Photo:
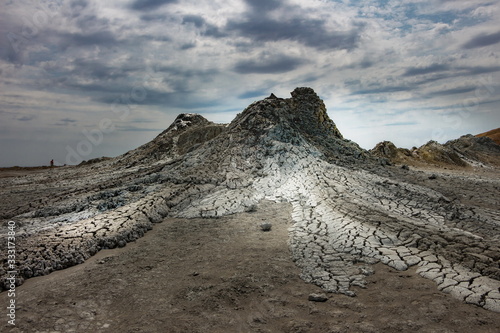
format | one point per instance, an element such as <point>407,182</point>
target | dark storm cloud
<point>81,12</point>
<point>99,77</point>
<point>259,26</point>
<point>94,69</point>
<point>458,71</point>
<point>413,71</point>
<point>85,22</point>
<point>452,91</point>
<point>65,122</point>
<point>26,118</point>
<point>187,73</point>
<point>271,65</point>
<point>214,31</point>
<point>253,93</point>
<point>144,38</point>
<point>107,85</point>
<point>436,77</point>
<point>183,100</point>
<point>82,39</point>
<point>149,17</point>
<point>482,40</point>
<point>366,63</point>
<point>416,86</point>
<point>206,29</point>
<point>132,128</point>
<point>100,89</point>
<point>107,81</point>
<point>15,38</point>
<point>474,70</point>
<point>311,32</point>
<point>363,64</point>
<point>143,5</point>
<point>188,46</point>
<point>382,90</point>
<point>79,4</point>
<point>261,6</point>
<point>438,72</point>
<point>402,123</point>
<point>352,83</point>
<point>197,20</point>
<point>7,51</point>
<point>74,25</point>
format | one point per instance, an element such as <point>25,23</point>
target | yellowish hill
<point>493,134</point>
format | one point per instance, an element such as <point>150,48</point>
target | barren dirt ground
<point>226,275</point>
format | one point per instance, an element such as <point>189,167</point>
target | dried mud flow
<point>343,219</point>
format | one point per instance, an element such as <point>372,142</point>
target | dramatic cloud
<point>412,71</point>
<point>400,71</point>
<point>25,118</point>
<point>254,93</point>
<point>150,4</point>
<point>382,90</point>
<point>198,21</point>
<point>403,123</point>
<point>483,40</point>
<point>205,28</point>
<point>268,65</point>
<point>453,91</point>
<point>66,122</point>
<point>475,70</point>
<point>104,38</point>
<point>262,6</point>
<point>312,33</point>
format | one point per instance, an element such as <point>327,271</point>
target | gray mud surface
<point>226,275</point>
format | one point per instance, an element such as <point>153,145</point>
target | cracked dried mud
<point>226,275</point>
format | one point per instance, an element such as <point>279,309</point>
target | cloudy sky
<point>86,78</point>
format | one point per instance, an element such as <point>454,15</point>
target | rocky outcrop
<point>389,151</point>
<point>433,152</point>
<point>348,210</point>
<point>474,149</point>
<point>301,119</point>
<point>187,131</point>
<point>94,160</point>
<point>465,151</point>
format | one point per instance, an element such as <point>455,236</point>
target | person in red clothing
<point>51,163</point>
